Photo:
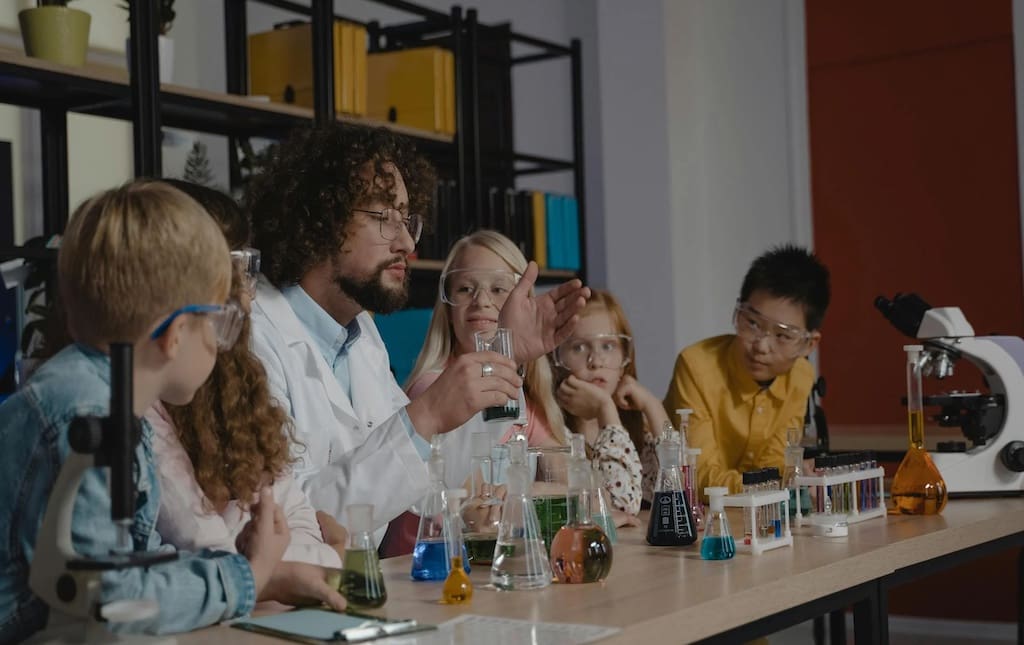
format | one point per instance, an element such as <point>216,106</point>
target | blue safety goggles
<point>226,320</point>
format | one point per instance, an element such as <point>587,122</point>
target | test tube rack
<point>764,500</point>
<point>867,485</point>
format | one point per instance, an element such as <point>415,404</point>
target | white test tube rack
<point>854,513</point>
<point>750,502</point>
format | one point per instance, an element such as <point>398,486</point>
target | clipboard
<point>316,626</point>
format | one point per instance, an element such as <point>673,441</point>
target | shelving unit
<point>138,97</point>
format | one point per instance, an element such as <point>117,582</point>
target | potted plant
<point>165,44</point>
<point>54,32</point>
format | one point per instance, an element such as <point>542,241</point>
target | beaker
<point>481,513</point>
<point>918,488</point>
<point>717,543</point>
<point>362,582</point>
<point>548,489</point>
<point>581,551</point>
<point>520,558</point>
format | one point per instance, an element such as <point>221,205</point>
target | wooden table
<point>671,595</point>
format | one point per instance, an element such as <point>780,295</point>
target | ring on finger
<point>486,370</point>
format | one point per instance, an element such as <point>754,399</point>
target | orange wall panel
<point>914,188</point>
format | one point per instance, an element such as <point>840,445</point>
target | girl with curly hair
<point>216,453</point>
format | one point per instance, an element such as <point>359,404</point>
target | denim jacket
<point>196,590</point>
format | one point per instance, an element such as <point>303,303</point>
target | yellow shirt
<point>737,424</point>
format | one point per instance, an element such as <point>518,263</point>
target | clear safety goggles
<point>461,287</point>
<point>602,350</point>
<point>247,262</point>
<point>225,319</point>
<point>751,326</point>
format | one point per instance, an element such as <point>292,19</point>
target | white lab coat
<point>353,451</point>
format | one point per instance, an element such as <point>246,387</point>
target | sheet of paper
<point>471,629</point>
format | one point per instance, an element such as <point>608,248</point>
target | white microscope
<point>66,581</point>
<point>993,424</point>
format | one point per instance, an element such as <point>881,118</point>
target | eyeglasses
<point>247,260</point>
<point>461,287</point>
<point>392,221</point>
<point>752,326</point>
<point>226,320</point>
<point>601,350</point>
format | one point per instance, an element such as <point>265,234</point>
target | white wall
<point>735,79</point>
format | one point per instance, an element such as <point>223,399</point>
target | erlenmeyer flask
<point>918,488</point>
<point>429,557</point>
<point>481,513</point>
<point>717,543</point>
<point>600,506</point>
<point>581,551</point>
<point>457,590</point>
<point>520,559</point>
<point>671,522</point>
<point>362,582</point>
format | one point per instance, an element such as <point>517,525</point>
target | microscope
<point>993,463</point>
<point>68,583</point>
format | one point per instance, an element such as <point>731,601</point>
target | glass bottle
<point>457,590</point>
<point>581,551</point>
<point>671,522</point>
<point>481,512</point>
<point>362,582</point>
<point>429,556</point>
<point>917,488</point>
<point>717,543</point>
<point>520,558</point>
<point>600,506</point>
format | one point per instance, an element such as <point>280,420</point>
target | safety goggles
<point>461,287</point>
<point>247,262</point>
<point>225,319</point>
<point>751,326</point>
<point>601,350</point>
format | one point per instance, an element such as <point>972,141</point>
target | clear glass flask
<point>717,543</point>
<point>520,558</point>
<point>481,513</point>
<point>457,590</point>
<point>601,506</point>
<point>430,556</point>
<point>581,551</point>
<point>671,522</point>
<point>918,488</point>
<point>361,581</point>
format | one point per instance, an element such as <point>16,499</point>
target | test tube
<point>748,483</point>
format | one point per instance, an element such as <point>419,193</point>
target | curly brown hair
<point>303,199</point>
<point>236,436</point>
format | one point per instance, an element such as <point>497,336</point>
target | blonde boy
<point>142,264</point>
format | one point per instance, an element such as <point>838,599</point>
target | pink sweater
<point>186,522</point>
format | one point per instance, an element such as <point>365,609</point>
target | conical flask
<point>481,513</point>
<point>429,557</point>
<point>600,506</point>
<point>362,582</point>
<point>671,522</point>
<point>717,543</point>
<point>581,551</point>
<point>917,488</point>
<point>520,559</point>
<point>457,590</point>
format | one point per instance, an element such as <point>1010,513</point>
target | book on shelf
<point>413,87</point>
<point>281,65</point>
